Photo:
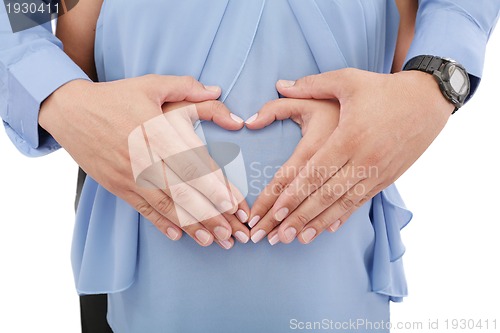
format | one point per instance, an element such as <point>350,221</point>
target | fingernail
<point>335,226</point>
<point>213,88</point>
<point>242,216</point>
<point>308,234</point>
<point>226,206</point>
<point>226,244</point>
<point>281,214</point>
<point>236,118</point>
<point>275,239</point>
<point>222,233</point>
<point>251,119</point>
<point>254,221</point>
<point>290,233</point>
<point>286,83</point>
<point>172,233</point>
<point>241,236</point>
<point>257,237</point>
<point>202,236</point>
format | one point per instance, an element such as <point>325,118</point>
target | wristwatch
<point>451,76</point>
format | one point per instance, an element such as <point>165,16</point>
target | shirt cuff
<point>41,71</point>
<point>449,33</point>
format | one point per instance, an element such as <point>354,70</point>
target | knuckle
<point>378,188</point>
<point>286,173</point>
<point>272,105</point>
<point>189,82</point>
<point>350,143</point>
<point>310,81</point>
<point>365,199</point>
<point>302,218</point>
<point>209,218</point>
<point>348,71</point>
<point>346,203</point>
<point>318,175</point>
<point>144,209</point>
<point>272,224</point>
<point>323,223</point>
<point>180,193</point>
<point>294,196</point>
<point>373,159</point>
<point>165,205</point>
<point>327,195</point>
<point>279,185</point>
<point>213,193</point>
<point>161,224</point>
<point>217,107</point>
<point>190,171</point>
<point>190,225</point>
<point>268,223</point>
<point>151,77</point>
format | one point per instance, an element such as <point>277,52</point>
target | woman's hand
<point>94,123</point>
<point>386,123</point>
<point>317,119</point>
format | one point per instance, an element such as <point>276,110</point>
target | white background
<point>453,242</point>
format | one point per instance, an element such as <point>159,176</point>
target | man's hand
<point>386,123</point>
<point>93,122</point>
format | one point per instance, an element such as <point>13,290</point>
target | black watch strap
<point>424,63</point>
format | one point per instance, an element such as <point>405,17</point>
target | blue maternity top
<point>158,285</point>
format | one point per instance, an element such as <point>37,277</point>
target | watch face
<point>458,81</point>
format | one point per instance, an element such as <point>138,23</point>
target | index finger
<point>335,84</point>
<point>323,165</point>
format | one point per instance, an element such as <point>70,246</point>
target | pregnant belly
<point>261,153</point>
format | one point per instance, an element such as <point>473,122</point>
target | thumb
<point>218,113</point>
<point>165,88</point>
<point>329,85</point>
<point>279,109</point>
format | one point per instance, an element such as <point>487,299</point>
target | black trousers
<point>93,308</point>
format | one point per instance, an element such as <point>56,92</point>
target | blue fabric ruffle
<point>389,215</point>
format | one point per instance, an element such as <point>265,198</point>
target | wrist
<point>62,102</point>
<point>452,78</point>
<point>429,92</point>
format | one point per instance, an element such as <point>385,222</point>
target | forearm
<point>407,14</point>
<point>32,67</point>
<point>76,29</point>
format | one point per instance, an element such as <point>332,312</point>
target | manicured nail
<point>286,83</point>
<point>241,236</point>
<point>257,237</point>
<point>335,226</point>
<point>275,239</point>
<point>172,233</point>
<point>226,206</point>
<point>222,233</point>
<point>212,88</point>
<point>202,236</point>
<point>226,244</point>
<point>308,234</point>
<point>254,221</point>
<point>242,216</point>
<point>251,119</point>
<point>290,233</point>
<point>281,214</point>
<point>236,118</point>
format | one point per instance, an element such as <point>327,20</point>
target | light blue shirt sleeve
<point>32,66</point>
<point>457,29</point>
